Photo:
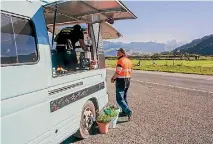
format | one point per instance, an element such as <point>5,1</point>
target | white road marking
<point>191,89</point>
<point>193,76</point>
<point>211,78</point>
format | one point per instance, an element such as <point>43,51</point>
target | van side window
<point>18,41</point>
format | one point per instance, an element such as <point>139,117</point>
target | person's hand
<point>86,49</point>
<point>112,80</point>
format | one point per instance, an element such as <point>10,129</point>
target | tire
<point>87,122</point>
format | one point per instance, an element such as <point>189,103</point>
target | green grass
<point>180,66</point>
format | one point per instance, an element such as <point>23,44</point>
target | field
<point>204,67</point>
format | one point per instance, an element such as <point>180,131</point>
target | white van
<point>39,105</point>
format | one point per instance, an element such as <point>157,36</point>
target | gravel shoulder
<point>161,114</point>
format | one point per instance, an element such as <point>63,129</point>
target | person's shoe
<point>63,70</point>
<point>130,116</point>
<point>122,114</point>
<point>58,69</point>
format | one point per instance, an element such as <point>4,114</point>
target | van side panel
<point>27,125</point>
<point>69,102</point>
<point>25,102</point>
<point>23,79</point>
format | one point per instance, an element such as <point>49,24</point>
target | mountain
<point>139,47</point>
<point>171,45</point>
<point>203,46</point>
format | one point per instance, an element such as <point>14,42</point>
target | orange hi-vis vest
<point>124,68</point>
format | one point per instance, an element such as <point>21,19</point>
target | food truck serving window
<point>62,13</point>
<point>69,56</point>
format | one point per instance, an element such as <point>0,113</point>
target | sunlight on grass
<point>179,66</point>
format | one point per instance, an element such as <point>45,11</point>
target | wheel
<point>87,121</point>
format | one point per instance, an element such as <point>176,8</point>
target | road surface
<point>167,109</point>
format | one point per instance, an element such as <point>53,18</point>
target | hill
<point>203,46</point>
<point>139,47</point>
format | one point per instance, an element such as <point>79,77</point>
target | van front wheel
<point>87,121</point>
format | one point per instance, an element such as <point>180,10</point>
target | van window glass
<point>18,40</point>
<point>7,40</point>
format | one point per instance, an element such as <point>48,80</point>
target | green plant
<point>113,113</point>
<point>112,107</point>
<point>103,118</point>
<point>111,110</point>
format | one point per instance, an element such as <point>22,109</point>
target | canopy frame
<point>78,17</point>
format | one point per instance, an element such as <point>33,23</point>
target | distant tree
<point>197,57</point>
<point>187,56</point>
<point>155,56</point>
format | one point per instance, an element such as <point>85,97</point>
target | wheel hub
<point>88,119</point>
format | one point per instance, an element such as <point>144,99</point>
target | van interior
<point>85,60</point>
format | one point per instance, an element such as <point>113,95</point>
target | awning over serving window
<point>86,11</point>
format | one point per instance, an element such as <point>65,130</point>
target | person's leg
<point>74,60</point>
<point>125,98</point>
<point>120,100</point>
<point>63,56</point>
<point>61,53</point>
<point>125,95</point>
<point>59,57</point>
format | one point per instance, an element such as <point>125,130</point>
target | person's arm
<point>81,41</point>
<point>114,77</point>
<point>83,45</point>
<point>117,72</point>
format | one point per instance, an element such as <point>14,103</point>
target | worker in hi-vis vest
<point>122,78</point>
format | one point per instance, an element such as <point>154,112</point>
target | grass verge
<point>205,68</point>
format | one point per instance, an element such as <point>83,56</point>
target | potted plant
<point>103,122</point>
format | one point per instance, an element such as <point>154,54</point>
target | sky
<point>164,21</point>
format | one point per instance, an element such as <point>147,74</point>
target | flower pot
<point>103,127</point>
<point>113,122</point>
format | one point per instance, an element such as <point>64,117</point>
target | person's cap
<point>121,50</point>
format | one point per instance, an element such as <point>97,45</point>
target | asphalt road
<point>167,109</point>
<point>187,81</point>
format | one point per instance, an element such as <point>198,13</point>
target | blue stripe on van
<point>40,25</point>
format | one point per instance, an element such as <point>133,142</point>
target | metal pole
<point>54,24</point>
<point>99,30</point>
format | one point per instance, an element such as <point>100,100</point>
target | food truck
<point>39,104</point>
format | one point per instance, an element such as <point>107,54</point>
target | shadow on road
<point>73,139</point>
<point>95,131</point>
<point>70,140</point>
<point>120,122</point>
